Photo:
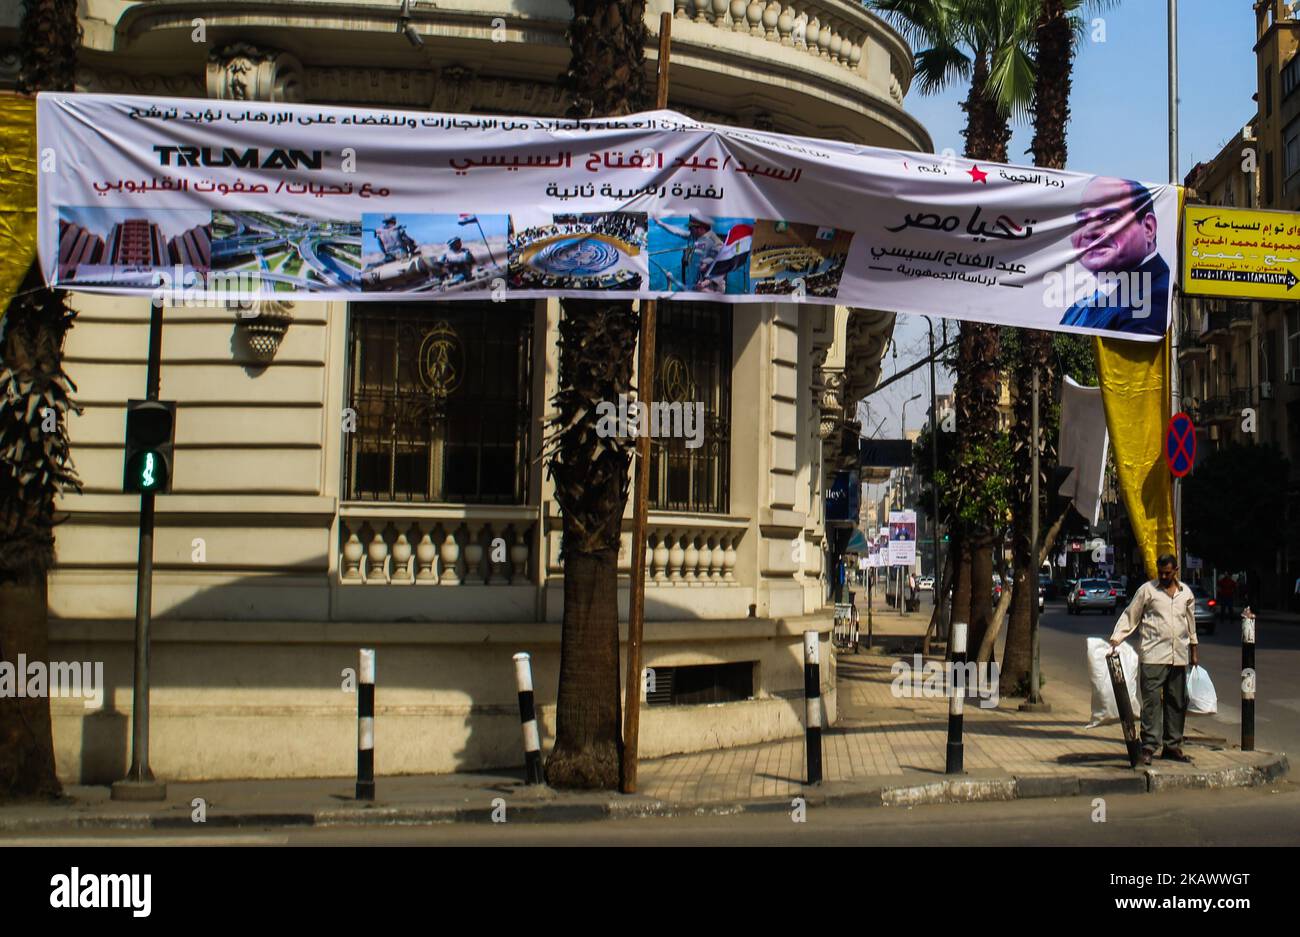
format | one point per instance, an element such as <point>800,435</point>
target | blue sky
<point>1118,127</point>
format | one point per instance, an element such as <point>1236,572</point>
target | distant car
<point>1092,595</point>
<point>927,583</point>
<point>1041,590</point>
<point>1205,611</point>
<point>997,587</point>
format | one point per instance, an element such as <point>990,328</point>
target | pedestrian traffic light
<point>150,431</point>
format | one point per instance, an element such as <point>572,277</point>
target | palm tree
<point>986,42</point>
<point>1059,28</point>
<point>35,465</point>
<point>606,77</point>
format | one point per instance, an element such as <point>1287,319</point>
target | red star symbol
<point>976,175</point>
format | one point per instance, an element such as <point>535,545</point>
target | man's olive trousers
<point>1165,714</point>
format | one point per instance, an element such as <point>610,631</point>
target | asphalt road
<point>1277,664</point>
<point>1268,815</point>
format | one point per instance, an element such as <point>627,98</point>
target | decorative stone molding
<point>453,92</point>
<point>866,336</point>
<point>263,326</point>
<point>245,72</point>
<point>829,386</point>
<point>183,86</point>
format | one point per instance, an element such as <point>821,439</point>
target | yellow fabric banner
<point>17,192</point>
<point>1134,382</point>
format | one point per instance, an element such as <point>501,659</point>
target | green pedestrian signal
<point>150,432</point>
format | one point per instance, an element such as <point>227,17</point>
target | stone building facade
<point>429,531</point>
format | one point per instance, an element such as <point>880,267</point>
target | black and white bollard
<point>956,699</point>
<point>366,725</point>
<point>1247,680</point>
<point>528,719</point>
<point>812,692</point>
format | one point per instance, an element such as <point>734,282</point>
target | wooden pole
<point>645,395</point>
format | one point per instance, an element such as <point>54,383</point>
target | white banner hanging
<point>202,199</point>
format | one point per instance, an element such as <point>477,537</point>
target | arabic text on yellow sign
<point>1241,253</point>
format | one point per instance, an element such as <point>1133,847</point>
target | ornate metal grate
<point>693,364</point>
<point>442,399</point>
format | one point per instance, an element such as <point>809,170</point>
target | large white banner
<point>241,199</point>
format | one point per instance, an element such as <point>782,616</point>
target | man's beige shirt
<point>1168,624</point>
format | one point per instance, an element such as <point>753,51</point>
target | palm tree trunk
<point>27,766</point>
<point>34,466</point>
<point>597,342</point>
<point>1053,65</point>
<point>987,133</point>
<point>605,78</point>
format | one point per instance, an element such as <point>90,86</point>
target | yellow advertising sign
<point>1241,253</point>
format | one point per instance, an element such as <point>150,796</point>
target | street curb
<point>826,794</point>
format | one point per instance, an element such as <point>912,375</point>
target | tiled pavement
<point>881,738</point>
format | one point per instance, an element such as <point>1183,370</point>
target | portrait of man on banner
<point>1115,240</point>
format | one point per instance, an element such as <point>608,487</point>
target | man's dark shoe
<point>1146,756</point>
<point>1175,754</point>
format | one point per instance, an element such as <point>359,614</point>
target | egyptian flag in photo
<point>734,254</point>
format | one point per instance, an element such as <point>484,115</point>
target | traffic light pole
<point>139,783</point>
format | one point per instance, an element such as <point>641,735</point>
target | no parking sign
<point>1180,445</point>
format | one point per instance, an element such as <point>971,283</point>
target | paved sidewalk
<point>883,750</point>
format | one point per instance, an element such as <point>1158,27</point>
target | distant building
<point>77,246</point>
<point>192,248</point>
<point>137,242</point>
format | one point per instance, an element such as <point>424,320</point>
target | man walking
<point>1165,610</point>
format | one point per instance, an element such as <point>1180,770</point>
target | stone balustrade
<point>430,550</point>
<point>695,554</point>
<point>825,28</point>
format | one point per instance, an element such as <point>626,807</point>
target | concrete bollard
<point>1247,680</point>
<point>528,719</point>
<point>812,692</point>
<point>956,700</point>
<point>366,725</point>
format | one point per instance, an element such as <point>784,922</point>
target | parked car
<point>1092,595</point>
<point>1205,611</point>
<point>927,583</point>
<point>1041,590</point>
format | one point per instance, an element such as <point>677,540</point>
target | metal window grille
<point>442,397</point>
<point>693,365</point>
<point>703,683</point>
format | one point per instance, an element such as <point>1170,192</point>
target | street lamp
<point>902,487</point>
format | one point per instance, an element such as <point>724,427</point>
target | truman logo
<point>250,158</point>
<point>75,890</point>
<point>57,679</point>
